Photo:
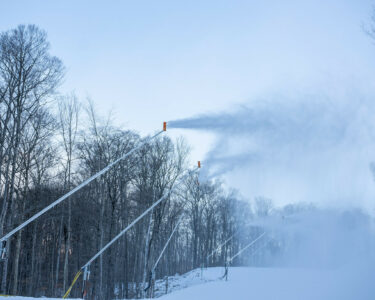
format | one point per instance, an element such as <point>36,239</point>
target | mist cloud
<point>307,148</point>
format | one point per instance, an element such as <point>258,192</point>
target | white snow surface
<point>30,298</point>
<point>347,283</point>
<point>188,279</point>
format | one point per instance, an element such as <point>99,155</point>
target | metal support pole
<point>152,284</point>
<point>166,244</point>
<point>218,248</point>
<point>86,278</point>
<point>166,284</point>
<point>226,270</point>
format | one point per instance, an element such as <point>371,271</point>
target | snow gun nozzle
<point>164,126</point>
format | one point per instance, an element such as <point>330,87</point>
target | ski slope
<point>349,283</point>
<point>28,298</point>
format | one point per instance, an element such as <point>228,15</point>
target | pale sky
<point>154,61</point>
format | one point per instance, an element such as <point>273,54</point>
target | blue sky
<point>171,59</point>
<point>150,61</point>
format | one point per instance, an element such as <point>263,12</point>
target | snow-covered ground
<point>28,298</point>
<point>188,279</point>
<point>349,283</point>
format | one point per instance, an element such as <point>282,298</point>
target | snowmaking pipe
<point>125,230</point>
<point>247,246</point>
<point>225,242</point>
<point>77,188</point>
<point>166,244</point>
<point>261,247</point>
<point>86,266</point>
<point>221,245</point>
<point>135,221</point>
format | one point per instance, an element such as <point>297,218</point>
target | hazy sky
<point>151,61</point>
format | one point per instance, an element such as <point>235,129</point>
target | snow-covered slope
<point>281,284</point>
<point>349,283</point>
<point>194,277</point>
<point>28,298</point>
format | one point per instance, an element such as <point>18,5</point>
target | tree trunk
<point>146,251</point>
<point>16,263</point>
<point>5,271</point>
<point>30,287</point>
<point>58,253</point>
<point>67,246</point>
<point>101,244</point>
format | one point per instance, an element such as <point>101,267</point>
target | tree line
<point>49,143</point>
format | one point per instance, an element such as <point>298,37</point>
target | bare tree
<point>69,109</point>
<point>35,169</point>
<point>28,76</point>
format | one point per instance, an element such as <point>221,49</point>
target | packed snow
<point>29,298</point>
<point>348,283</point>
<point>192,278</point>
